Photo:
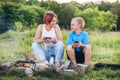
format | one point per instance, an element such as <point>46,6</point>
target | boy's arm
<point>83,45</point>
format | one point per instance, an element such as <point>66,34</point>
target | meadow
<point>105,48</point>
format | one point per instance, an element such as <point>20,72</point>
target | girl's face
<point>53,22</point>
<point>74,25</point>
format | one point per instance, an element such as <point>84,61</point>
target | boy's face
<point>74,25</point>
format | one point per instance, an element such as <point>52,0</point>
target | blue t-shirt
<point>81,37</point>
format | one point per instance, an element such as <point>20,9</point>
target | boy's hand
<point>74,45</point>
<point>79,44</point>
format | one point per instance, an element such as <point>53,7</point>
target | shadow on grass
<point>53,75</point>
<point>50,74</point>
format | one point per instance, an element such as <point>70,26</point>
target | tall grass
<point>9,46</point>
<point>105,48</point>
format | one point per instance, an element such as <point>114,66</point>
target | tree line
<point>26,14</point>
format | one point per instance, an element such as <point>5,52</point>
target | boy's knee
<point>69,48</point>
<point>87,47</point>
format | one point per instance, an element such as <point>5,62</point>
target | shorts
<point>79,56</point>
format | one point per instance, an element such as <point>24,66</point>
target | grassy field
<point>105,48</point>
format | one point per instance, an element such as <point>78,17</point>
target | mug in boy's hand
<point>75,44</point>
<point>76,41</point>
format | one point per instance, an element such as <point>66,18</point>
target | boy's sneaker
<point>60,68</point>
<point>80,69</point>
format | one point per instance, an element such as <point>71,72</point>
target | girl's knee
<point>35,45</point>
<point>60,44</point>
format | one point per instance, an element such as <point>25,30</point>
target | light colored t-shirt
<point>50,33</point>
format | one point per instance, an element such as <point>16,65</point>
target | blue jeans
<point>44,53</point>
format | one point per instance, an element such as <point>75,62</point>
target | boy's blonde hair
<point>80,21</point>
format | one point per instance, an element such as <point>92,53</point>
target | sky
<point>82,1</point>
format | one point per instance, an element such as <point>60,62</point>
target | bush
<point>14,16</point>
<point>8,16</point>
<point>97,20</point>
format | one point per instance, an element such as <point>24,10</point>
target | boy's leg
<point>71,53</point>
<point>87,53</point>
<point>80,57</point>
<point>59,51</point>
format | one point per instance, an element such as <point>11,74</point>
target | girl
<point>51,37</point>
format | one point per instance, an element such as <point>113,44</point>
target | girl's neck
<point>48,27</point>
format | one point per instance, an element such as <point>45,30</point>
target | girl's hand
<point>54,41</point>
<point>47,40</point>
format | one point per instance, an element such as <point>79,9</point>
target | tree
<point>104,6</point>
<point>32,2</point>
<point>115,9</point>
<point>54,6</point>
<point>31,16</point>
<point>108,21</point>
<point>78,5</point>
<point>97,20</point>
<point>14,1</point>
<point>27,16</point>
<point>90,5</point>
<point>8,16</point>
<point>44,4</point>
<point>66,14</point>
<point>3,27</point>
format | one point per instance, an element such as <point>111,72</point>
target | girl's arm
<point>38,34</point>
<point>58,33</point>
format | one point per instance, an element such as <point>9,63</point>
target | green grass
<point>105,48</point>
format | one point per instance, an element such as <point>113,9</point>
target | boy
<point>78,45</point>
